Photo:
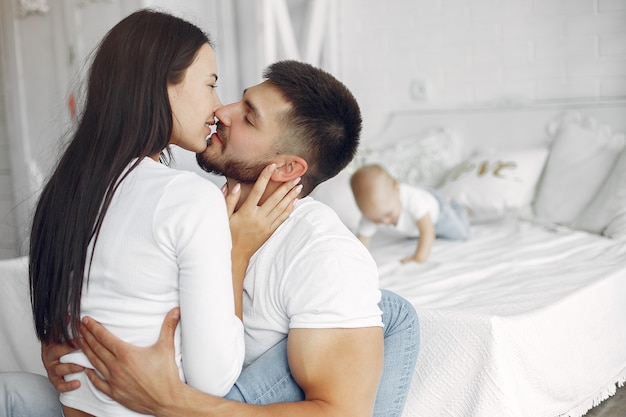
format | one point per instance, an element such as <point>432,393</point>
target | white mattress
<point>521,320</point>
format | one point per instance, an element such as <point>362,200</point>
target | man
<point>312,280</point>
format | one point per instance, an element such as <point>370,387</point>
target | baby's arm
<point>365,240</point>
<point>425,242</point>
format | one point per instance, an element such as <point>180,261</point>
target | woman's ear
<point>289,168</point>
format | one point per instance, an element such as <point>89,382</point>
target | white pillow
<point>494,184</point>
<point>606,213</point>
<point>617,228</point>
<point>581,156</point>
<point>337,194</point>
<point>421,160</point>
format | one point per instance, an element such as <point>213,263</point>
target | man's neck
<point>246,188</point>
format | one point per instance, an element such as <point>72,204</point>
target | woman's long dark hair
<point>126,115</point>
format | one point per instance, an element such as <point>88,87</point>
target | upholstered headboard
<point>421,145</point>
<point>508,127</point>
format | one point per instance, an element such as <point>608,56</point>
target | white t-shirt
<point>165,241</point>
<point>312,273</point>
<point>416,203</point>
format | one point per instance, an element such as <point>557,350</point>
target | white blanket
<point>520,321</point>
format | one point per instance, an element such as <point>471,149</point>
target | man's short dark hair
<point>324,123</point>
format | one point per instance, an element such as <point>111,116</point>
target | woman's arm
<point>211,278</point>
<point>253,223</point>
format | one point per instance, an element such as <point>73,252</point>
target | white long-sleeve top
<point>165,242</point>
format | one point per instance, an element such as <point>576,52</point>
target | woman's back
<point>165,240</point>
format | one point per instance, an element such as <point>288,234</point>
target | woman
<point>123,238</point>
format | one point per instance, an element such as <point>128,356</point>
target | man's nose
<point>223,115</point>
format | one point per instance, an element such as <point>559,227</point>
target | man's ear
<point>289,168</point>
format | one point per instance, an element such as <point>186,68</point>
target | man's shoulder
<point>312,226</point>
<point>317,241</point>
<point>318,218</point>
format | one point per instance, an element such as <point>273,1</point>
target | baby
<point>411,211</point>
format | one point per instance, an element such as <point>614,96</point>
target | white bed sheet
<point>519,321</point>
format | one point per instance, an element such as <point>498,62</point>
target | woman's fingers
<point>232,197</point>
<point>259,186</point>
<point>282,202</point>
<point>252,224</point>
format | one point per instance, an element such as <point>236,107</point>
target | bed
<point>521,320</point>
<point>525,319</point>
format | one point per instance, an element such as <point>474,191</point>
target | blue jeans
<point>28,395</point>
<point>453,222</point>
<point>267,380</point>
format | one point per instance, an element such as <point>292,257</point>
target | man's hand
<point>143,379</point>
<point>50,356</point>
<point>339,370</point>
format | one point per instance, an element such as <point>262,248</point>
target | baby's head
<point>377,194</point>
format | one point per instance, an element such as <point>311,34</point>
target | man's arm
<point>338,369</point>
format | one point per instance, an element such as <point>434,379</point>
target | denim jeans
<point>267,380</point>
<point>453,222</point>
<point>28,395</point>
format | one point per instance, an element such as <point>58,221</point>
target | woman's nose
<point>218,102</point>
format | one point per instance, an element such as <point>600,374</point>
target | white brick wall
<point>475,52</point>
<point>456,52</point>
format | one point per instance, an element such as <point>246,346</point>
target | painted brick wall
<point>449,53</point>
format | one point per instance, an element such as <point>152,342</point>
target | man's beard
<point>240,171</point>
